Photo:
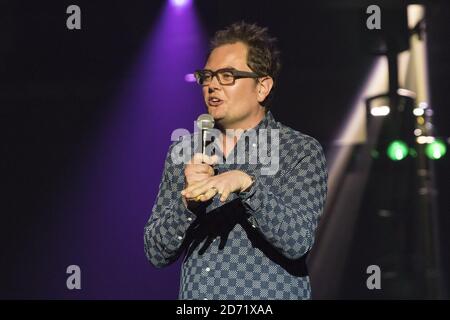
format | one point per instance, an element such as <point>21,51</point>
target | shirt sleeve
<point>287,213</point>
<point>166,228</point>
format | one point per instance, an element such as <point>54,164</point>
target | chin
<point>219,118</point>
<point>217,114</point>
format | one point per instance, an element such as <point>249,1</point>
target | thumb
<point>211,160</point>
<point>197,159</point>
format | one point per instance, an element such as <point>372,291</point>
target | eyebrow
<point>227,67</point>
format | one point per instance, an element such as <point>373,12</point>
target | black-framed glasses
<point>226,76</point>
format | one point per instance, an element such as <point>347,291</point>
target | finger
<point>204,168</point>
<point>198,198</point>
<point>198,168</point>
<point>213,160</point>
<point>193,169</point>
<point>198,189</point>
<point>196,178</point>
<point>208,194</point>
<point>196,159</point>
<point>196,192</point>
<point>189,191</point>
<point>191,186</point>
<point>224,195</point>
<point>200,158</point>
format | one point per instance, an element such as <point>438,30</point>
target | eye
<point>202,77</point>
<point>227,75</point>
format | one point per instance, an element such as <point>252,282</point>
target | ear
<point>265,84</point>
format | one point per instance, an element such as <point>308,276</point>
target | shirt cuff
<point>185,216</point>
<point>253,198</point>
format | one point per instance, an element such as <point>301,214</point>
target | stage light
<point>425,139</point>
<point>397,150</point>
<point>379,105</point>
<point>189,77</point>
<point>380,111</point>
<point>423,105</point>
<point>418,112</point>
<point>436,149</point>
<point>420,120</point>
<point>180,3</point>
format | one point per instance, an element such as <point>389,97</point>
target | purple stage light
<point>190,77</point>
<point>122,169</point>
<point>180,3</point>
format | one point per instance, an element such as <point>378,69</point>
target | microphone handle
<point>204,135</point>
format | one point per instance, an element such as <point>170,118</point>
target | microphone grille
<point>205,121</point>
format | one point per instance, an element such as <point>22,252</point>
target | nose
<point>210,90</point>
<point>214,84</point>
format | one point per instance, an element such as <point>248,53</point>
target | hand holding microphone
<point>200,167</point>
<point>201,183</point>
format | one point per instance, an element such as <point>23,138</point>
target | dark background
<point>57,88</point>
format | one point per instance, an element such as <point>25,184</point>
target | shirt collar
<point>267,122</point>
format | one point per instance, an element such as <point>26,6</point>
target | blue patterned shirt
<point>254,245</point>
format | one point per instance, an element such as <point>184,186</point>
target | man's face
<point>238,102</point>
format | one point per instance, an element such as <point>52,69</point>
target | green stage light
<point>397,150</point>
<point>435,150</point>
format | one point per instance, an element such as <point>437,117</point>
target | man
<point>245,235</point>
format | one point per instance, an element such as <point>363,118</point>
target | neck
<point>232,133</point>
<point>249,122</point>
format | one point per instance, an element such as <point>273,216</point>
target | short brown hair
<point>263,54</point>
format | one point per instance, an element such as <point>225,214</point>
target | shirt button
<point>189,219</point>
<point>208,269</point>
<point>253,226</point>
<point>180,237</point>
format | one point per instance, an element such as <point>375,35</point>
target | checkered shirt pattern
<point>253,246</point>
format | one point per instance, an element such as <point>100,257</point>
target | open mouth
<point>213,101</point>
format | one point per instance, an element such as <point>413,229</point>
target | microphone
<point>205,122</point>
